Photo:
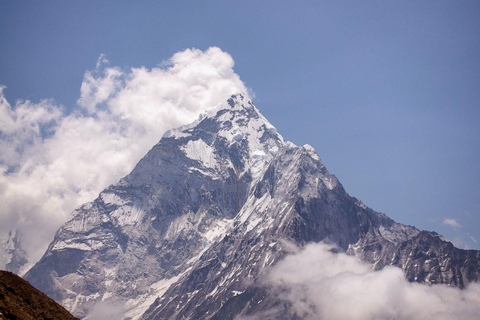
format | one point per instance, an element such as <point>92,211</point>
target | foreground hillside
<point>19,300</point>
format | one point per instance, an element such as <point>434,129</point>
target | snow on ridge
<point>233,107</point>
<point>398,232</point>
<point>237,126</point>
<point>182,131</point>
<point>311,150</point>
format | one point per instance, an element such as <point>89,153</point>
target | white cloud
<point>99,85</point>
<point>324,285</point>
<point>452,223</point>
<point>104,310</point>
<point>51,162</point>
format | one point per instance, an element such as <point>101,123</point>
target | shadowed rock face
<point>189,232</point>
<point>19,300</point>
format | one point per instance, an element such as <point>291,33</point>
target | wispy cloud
<point>51,161</point>
<point>472,238</point>
<point>324,285</point>
<point>452,223</point>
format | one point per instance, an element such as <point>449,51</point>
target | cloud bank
<point>52,161</point>
<point>324,285</point>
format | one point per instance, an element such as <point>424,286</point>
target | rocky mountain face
<point>190,231</point>
<point>19,300</point>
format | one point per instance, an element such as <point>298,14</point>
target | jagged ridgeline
<point>190,231</point>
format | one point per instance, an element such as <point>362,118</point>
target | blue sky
<point>388,93</point>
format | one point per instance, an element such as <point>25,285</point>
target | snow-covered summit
<point>237,105</point>
<point>235,124</point>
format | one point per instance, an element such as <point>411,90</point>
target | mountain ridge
<point>190,229</point>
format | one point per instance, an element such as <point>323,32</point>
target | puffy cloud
<point>21,128</point>
<point>324,285</point>
<point>452,223</point>
<point>51,161</point>
<point>99,85</point>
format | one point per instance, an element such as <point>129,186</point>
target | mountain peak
<point>235,125</point>
<point>188,232</point>
<point>237,109</point>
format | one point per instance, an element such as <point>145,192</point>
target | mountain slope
<point>19,300</point>
<point>296,201</point>
<point>188,233</point>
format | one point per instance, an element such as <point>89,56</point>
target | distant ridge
<point>20,300</point>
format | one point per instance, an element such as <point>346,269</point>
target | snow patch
<point>398,233</point>
<point>311,151</point>
<point>137,307</point>
<point>217,230</point>
<point>210,173</point>
<point>61,245</point>
<point>273,150</point>
<point>252,223</point>
<point>237,135</point>
<point>329,182</point>
<point>233,135</point>
<point>128,215</point>
<point>111,198</point>
<point>176,227</point>
<point>259,158</point>
<point>202,152</point>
